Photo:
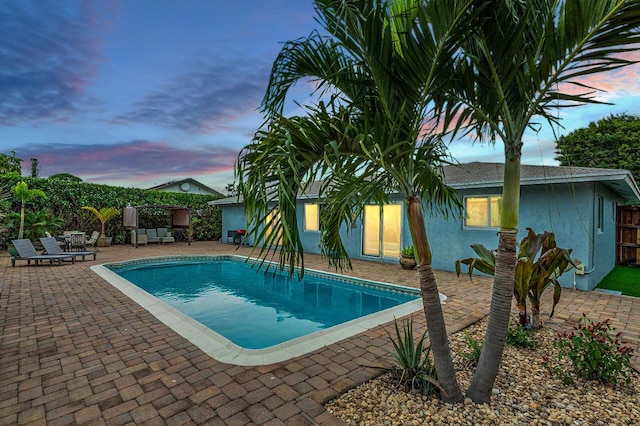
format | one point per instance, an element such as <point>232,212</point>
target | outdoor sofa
<point>151,235</point>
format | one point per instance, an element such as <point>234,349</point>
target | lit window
<point>311,217</point>
<point>482,212</point>
<point>600,213</point>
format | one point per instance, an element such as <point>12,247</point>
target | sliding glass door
<point>381,230</point>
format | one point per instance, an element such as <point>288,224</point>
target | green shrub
<point>65,198</point>
<point>521,337</point>
<point>413,369</point>
<point>594,353</point>
<point>475,349</point>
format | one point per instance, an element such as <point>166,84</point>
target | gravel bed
<point>525,393</point>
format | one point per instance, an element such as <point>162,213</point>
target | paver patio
<point>74,350</point>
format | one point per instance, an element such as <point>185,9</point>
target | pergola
<point>180,217</point>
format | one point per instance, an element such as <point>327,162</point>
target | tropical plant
<point>519,336</point>
<point>539,264</point>
<point>380,66</point>
<point>25,195</point>
<point>5,194</point>
<point>10,163</point>
<point>594,352</point>
<point>553,46</point>
<point>407,251</point>
<point>103,215</point>
<point>475,349</point>
<point>413,368</point>
<point>36,224</point>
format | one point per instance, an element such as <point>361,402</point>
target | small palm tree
<point>103,215</point>
<point>22,191</point>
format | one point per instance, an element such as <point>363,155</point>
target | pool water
<point>256,309</point>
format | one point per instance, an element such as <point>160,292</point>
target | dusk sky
<point>137,92</point>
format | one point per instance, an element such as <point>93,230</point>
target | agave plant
<point>534,272</point>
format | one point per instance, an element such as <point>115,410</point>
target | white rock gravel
<point>525,393</point>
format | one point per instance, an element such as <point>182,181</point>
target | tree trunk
<point>432,306</point>
<point>21,230</point>
<point>503,282</point>
<point>494,340</point>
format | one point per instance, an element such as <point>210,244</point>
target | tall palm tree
<point>525,60</point>
<point>379,66</point>
<point>25,195</point>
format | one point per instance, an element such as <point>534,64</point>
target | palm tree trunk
<point>503,283</point>
<point>21,230</point>
<point>494,340</point>
<point>432,306</point>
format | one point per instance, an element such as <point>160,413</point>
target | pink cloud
<point>133,161</point>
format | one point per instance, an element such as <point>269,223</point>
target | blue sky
<point>137,93</point>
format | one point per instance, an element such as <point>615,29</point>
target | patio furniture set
<point>151,235</point>
<point>52,254</point>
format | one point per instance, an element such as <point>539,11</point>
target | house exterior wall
<point>567,210</point>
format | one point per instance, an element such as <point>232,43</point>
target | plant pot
<point>104,241</point>
<point>408,262</point>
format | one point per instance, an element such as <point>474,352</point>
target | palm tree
<point>22,191</point>
<point>552,46</point>
<point>103,215</point>
<point>380,68</point>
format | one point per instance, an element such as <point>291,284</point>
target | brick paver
<point>73,349</point>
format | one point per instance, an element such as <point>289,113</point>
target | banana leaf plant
<point>540,262</point>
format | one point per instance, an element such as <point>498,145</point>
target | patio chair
<point>152,235</point>
<point>93,240</point>
<point>165,236</point>
<point>78,241</point>
<point>138,237</point>
<point>26,251</point>
<point>51,247</point>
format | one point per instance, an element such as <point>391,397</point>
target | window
<point>600,214</point>
<point>311,217</point>
<point>482,212</point>
<point>273,226</point>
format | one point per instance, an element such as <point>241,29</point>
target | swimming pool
<point>243,316</point>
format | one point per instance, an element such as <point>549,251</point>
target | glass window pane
<point>496,208</point>
<point>391,215</point>
<point>476,211</point>
<point>273,219</point>
<point>311,219</point>
<point>371,231</point>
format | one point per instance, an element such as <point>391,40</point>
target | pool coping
<point>222,349</point>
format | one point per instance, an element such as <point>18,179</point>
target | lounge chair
<point>26,251</point>
<point>51,247</point>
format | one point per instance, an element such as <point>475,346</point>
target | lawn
<point>623,278</point>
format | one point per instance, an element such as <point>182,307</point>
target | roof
<point>179,182</point>
<point>487,175</point>
<point>490,175</point>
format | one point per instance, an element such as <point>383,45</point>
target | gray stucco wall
<point>567,210</point>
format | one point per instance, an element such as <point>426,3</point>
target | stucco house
<point>578,204</point>
<point>188,185</point>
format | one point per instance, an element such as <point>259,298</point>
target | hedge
<point>65,199</point>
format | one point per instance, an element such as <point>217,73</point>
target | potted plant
<point>408,258</point>
<point>103,216</point>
